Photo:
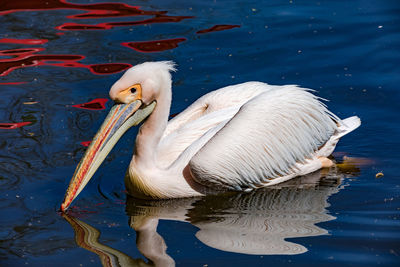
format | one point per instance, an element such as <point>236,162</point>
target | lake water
<point>55,56</point>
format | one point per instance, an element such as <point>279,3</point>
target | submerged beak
<point>120,118</point>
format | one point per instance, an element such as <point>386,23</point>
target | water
<point>58,55</point>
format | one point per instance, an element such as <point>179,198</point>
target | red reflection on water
<point>217,28</point>
<point>108,68</point>
<point>77,211</point>
<point>156,19</point>
<point>120,202</point>
<point>86,143</point>
<point>99,69</point>
<point>76,26</point>
<point>95,104</point>
<point>173,115</point>
<point>98,10</point>
<point>109,25</point>
<point>23,41</point>
<point>154,46</point>
<point>27,57</point>
<point>13,83</point>
<point>10,126</point>
<point>21,51</point>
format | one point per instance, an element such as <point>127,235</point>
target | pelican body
<point>239,137</point>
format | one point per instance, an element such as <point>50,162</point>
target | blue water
<point>348,51</point>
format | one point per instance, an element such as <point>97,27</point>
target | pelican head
<point>135,95</point>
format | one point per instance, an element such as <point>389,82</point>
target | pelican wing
<point>172,145</point>
<point>230,96</point>
<point>206,115</point>
<point>269,137</point>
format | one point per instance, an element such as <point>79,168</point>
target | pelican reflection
<point>261,222</point>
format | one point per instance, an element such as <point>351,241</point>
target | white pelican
<point>239,137</point>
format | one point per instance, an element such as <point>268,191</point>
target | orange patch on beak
<point>126,96</point>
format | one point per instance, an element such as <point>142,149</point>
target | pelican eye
<point>133,90</point>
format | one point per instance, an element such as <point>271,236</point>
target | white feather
<point>265,140</point>
<point>238,137</point>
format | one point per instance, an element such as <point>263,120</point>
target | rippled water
<point>57,62</point>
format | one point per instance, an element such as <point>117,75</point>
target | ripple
<point>23,41</point>
<point>109,25</point>
<point>10,126</point>
<point>24,58</point>
<point>12,170</point>
<point>154,46</point>
<point>217,28</point>
<point>95,104</point>
<point>100,10</point>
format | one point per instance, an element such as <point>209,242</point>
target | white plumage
<point>237,138</point>
<point>274,130</point>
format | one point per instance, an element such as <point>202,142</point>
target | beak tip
<point>120,118</point>
<point>63,207</point>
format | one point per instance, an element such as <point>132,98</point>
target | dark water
<point>57,62</point>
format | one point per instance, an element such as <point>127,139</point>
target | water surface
<point>58,60</point>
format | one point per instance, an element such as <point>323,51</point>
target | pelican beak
<point>120,118</point>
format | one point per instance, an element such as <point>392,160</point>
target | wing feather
<point>205,115</point>
<point>174,144</point>
<point>226,97</point>
<point>266,139</point>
